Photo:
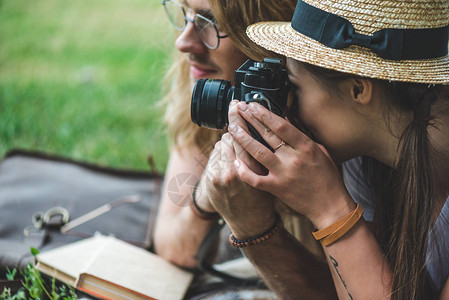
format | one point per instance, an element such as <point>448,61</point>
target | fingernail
<point>242,106</point>
<point>234,102</point>
<point>225,136</point>
<point>232,128</point>
<point>237,163</point>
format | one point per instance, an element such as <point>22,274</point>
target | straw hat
<point>365,37</point>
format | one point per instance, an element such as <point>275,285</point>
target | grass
<point>82,78</point>
<point>34,285</point>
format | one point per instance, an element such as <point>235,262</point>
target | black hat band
<point>395,44</point>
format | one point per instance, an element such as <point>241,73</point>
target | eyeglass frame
<point>187,19</point>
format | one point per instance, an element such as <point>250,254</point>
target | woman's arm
<point>445,292</point>
<point>358,265</point>
<point>302,174</point>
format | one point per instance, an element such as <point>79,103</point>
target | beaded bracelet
<point>200,213</point>
<point>332,233</point>
<point>259,238</point>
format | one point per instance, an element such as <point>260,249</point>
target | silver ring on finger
<point>279,146</point>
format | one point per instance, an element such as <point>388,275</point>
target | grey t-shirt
<point>438,245</point>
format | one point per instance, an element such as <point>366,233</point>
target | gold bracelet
<point>332,233</point>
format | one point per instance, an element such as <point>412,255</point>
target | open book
<point>107,267</point>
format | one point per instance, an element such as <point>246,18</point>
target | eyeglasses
<point>206,29</point>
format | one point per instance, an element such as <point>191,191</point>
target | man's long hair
<point>233,16</point>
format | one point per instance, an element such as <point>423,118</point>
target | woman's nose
<point>189,40</point>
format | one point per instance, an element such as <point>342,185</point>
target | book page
<point>139,270</point>
<point>65,263</point>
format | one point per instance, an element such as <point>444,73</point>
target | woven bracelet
<point>257,239</point>
<point>332,233</point>
<point>200,213</point>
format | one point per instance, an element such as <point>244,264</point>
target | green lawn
<point>81,79</point>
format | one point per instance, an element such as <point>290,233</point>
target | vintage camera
<point>264,82</point>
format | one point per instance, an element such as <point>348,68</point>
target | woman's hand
<point>247,211</point>
<point>300,172</point>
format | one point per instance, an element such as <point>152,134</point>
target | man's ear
<point>361,90</point>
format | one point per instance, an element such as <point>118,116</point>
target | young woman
<point>371,81</point>
<point>212,44</point>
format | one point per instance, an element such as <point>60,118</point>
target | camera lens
<point>210,103</point>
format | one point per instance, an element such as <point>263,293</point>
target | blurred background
<point>81,79</point>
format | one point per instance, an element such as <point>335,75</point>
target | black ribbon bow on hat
<point>395,44</point>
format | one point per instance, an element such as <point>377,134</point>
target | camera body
<point>264,82</point>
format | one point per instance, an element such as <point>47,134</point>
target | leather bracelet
<point>200,213</point>
<point>332,233</point>
<point>258,238</point>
